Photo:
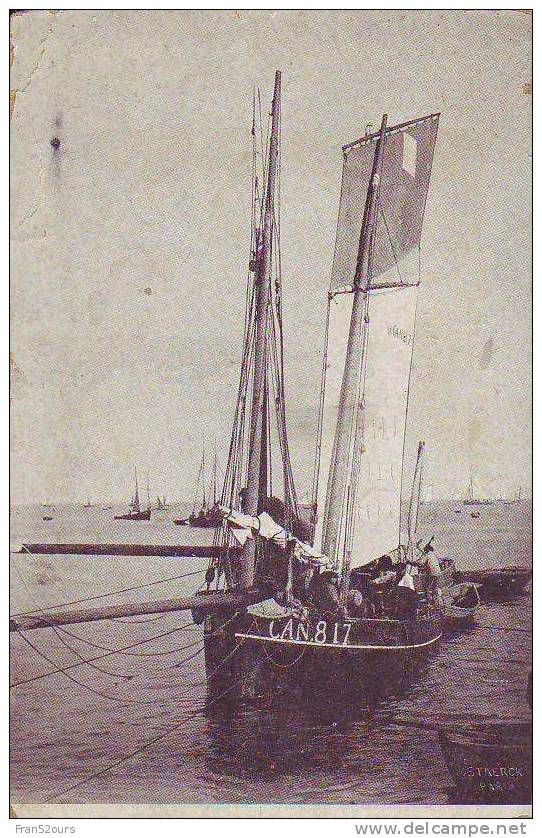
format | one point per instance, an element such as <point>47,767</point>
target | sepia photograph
<point>270,405</point>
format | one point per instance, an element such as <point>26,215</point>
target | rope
<point>409,381</point>
<point>140,749</point>
<point>103,596</point>
<point>130,654</point>
<point>320,426</point>
<point>124,701</point>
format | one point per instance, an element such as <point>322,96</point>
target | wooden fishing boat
<point>498,583</point>
<point>490,763</point>
<point>359,588</point>
<point>135,512</point>
<point>461,603</point>
<point>354,588</point>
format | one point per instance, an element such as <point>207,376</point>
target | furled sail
<point>370,518</point>
<point>403,190</point>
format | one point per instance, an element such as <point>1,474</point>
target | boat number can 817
<point>320,632</point>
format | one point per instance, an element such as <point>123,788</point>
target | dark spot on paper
<point>527,88</point>
<point>487,354</point>
<point>148,291</point>
<point>55,142</point>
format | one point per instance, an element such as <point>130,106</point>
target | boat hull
<point>361,652</point>
<point>144,515</point>
<point>205,521</point>
<point>490,763</point>
<point>500,582</point>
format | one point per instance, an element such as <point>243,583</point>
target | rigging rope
<point>103,596</point>
<point>159,737</point>
<point>409,381</point>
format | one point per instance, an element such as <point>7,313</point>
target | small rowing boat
<point>461,602</point>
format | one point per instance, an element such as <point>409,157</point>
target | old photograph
<point>271,516</point>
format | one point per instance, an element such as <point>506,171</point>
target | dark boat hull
<point>205,521</point>
<point>324,649</point>
<point>490,763</point>
<point>500,582</point>
<point>144,515</point>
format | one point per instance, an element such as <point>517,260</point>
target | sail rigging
<point>402,193</point>
<point>259,444</point>
<point>370,332</point>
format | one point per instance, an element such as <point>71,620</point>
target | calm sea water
<point>66,727</point>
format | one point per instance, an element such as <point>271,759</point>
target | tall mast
<point>348,401</point>
<point>136,495</point>
<point>414,503</point>
<point>203,477</point>
<point>262,287</point>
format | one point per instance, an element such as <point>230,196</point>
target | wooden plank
<point>206,603</point>
<point>207,551</point>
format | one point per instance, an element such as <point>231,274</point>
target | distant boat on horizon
<point>516,497</point>
<point>135,513</point>
<point>209,515</point>
<point>471,500</point>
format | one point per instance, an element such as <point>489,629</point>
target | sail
<point>376,509</point>
<point>402,195</point>
<point>384,191</point>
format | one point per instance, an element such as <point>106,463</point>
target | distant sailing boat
<point>516,497</point>
<point>162,502</point>
<point>208,515</point>
<point>471,500</point>
<point>88,504</point>
<point>135,512</point>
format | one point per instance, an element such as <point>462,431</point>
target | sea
<point>90,723</point>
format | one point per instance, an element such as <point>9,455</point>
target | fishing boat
<point>461,603</point>
<point>471,500</point>
<point>490,763</point>
<point>205,512</point>
<point>135,512</point>
<point>354,588</point>
<point>498,583</point>
<point>355,591</point>
<point>162,503</point>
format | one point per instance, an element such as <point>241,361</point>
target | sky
<point>129,241</point>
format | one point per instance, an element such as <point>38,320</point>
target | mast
<point>204,500</point>
<point>256,465</point>
<point>348,401</point>
<point>215,499</point>
<point>415,498</point>
<point>136,494</point>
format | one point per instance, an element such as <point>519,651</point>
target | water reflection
<point>283,723</point>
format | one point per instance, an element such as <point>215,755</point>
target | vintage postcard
<point>271,413</point>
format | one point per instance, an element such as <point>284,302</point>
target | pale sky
<point>130,240</point>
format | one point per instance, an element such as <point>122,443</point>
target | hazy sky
<point>130,240</point>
